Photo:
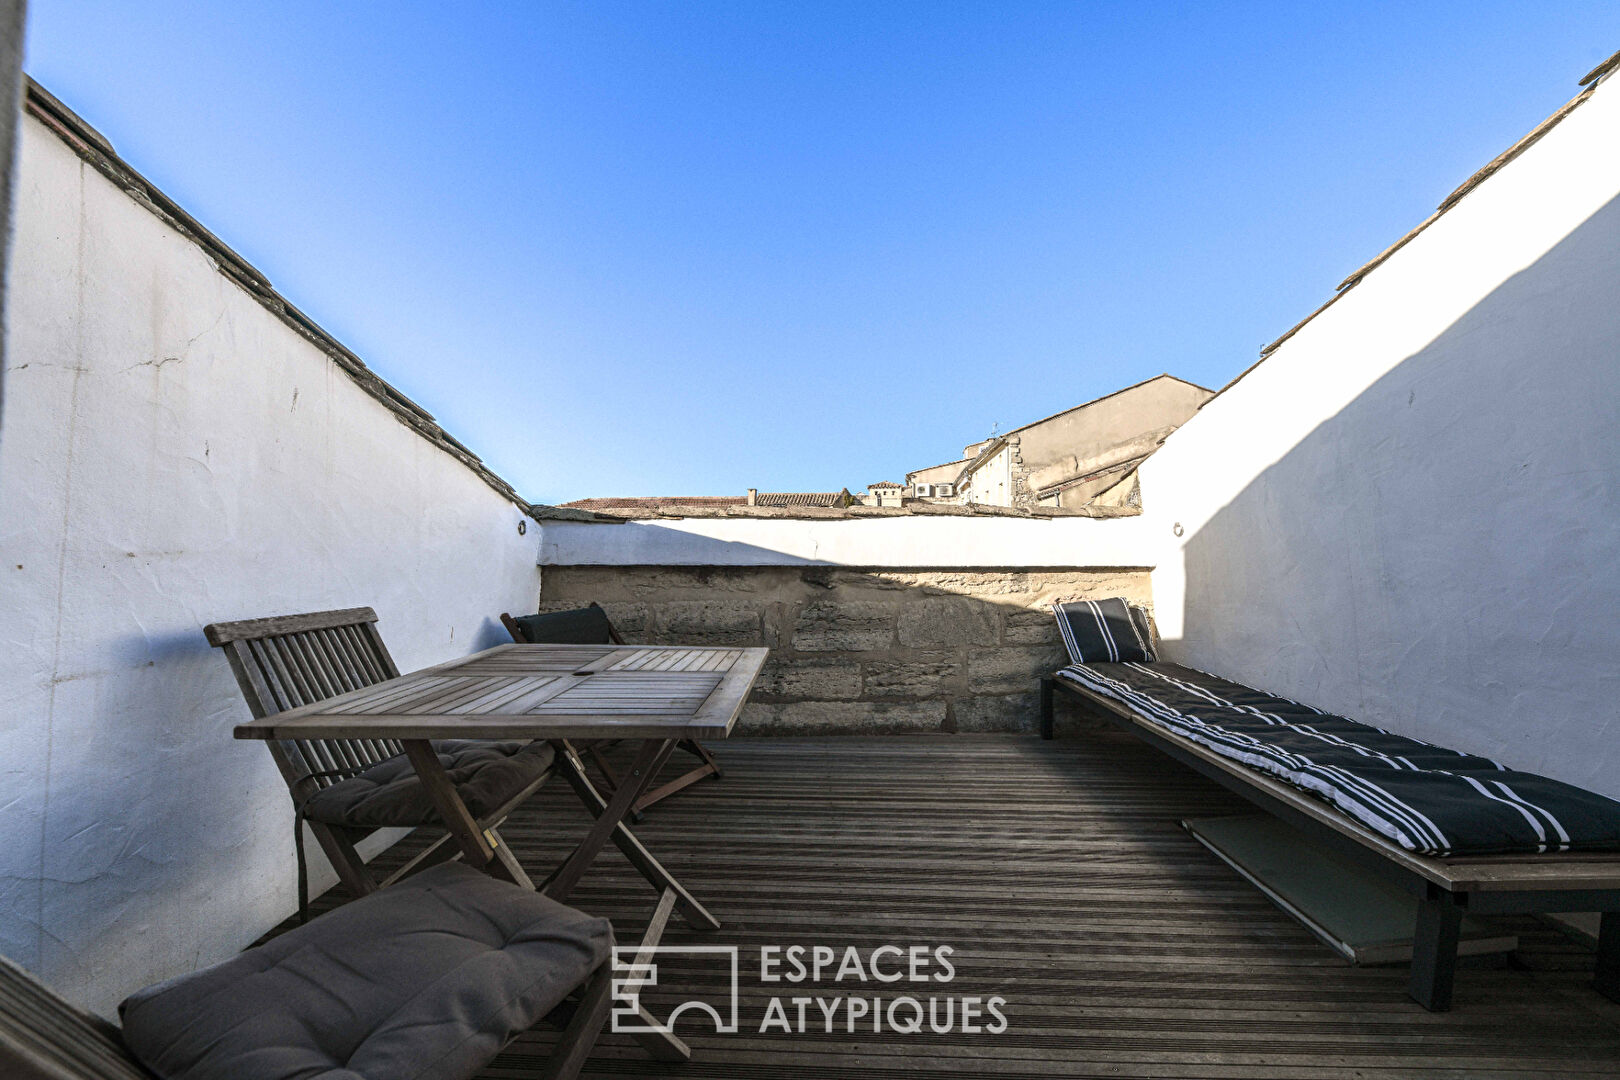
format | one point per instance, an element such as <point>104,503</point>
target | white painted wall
<point>174,455</point>
<point>991,483</point>
<point>920,541</point>
<point>1410,513</point>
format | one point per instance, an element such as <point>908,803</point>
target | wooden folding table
<point>654,694</point>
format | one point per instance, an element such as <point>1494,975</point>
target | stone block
<point>1047,586</point>
<point>708,622</point>
<point>672,582</point>
<point>632,621</point>
<point>1035,626</point>
<point>810,678</point>
<point>981,583</point>
<point>841,718</point>
<point>923,675</point>
<point>947,620</point>
<point>844,626</point>
<point>756,718</point>
<point>1013,668</point>
<point>1001,712</point>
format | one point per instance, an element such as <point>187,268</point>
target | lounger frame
<point>1446,888</point>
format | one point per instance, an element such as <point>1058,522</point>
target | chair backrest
<point>291,660</point>
<point>581,626</point>
<point>43,1037</point>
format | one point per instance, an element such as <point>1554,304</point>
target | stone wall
<point>857,650</point>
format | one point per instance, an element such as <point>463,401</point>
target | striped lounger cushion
<point>1104,631</point>
<point>1425,798</point>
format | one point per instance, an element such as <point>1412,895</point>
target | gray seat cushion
<point>487,774</point>
<point>423,980</point>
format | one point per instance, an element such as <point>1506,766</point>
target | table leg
<point>573,771</point>
<point>482,848</point>
<point>649,759</point>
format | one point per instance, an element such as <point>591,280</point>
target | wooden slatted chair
<point>43,1037</point>
<point>345,789</point>
<point>590,625</point>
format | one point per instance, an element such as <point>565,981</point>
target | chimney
<point>753,496</point>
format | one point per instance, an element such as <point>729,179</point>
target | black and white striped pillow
<point>1107,631</point>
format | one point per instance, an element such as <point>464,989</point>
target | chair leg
<point>692,746</point>
<point>579,1037</point>
<point>710,767</point>
<point>482,847</point>
<point>600,760</point>
<point>591,1014</point>
<point>664,791</point>
<point>1046,707</point>
<point>441,850</point>
<point>1608,956</point>
<point>508,860</point>
<point>661,1043</point>
<point>340,852</point>
<point>1434,950</point>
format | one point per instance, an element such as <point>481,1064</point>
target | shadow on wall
<point>1442,556</point>
<point>612,544</point>
<point>860,651</point>
<point>490,634</point>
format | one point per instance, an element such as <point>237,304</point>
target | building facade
<point>1082,456</point>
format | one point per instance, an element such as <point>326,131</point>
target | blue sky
<point>645,248</point>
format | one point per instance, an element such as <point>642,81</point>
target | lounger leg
<point>1046,707</point>
<point>1434,950</point>
<point>1608,956</point>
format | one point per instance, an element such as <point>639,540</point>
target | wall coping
<point>827,513</point>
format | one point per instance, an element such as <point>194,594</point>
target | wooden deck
<point>1058,873</point>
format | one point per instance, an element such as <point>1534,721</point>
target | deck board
<point>1058,872</point>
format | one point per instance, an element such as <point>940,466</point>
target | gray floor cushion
<point>487,774</point>
<point>424,980</point>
